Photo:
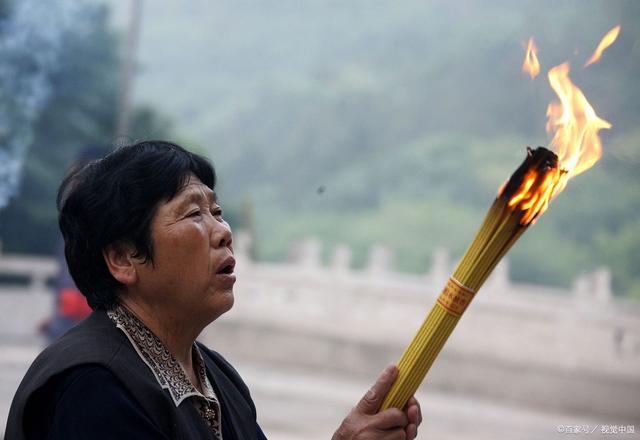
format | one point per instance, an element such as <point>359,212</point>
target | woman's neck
<point>177,335</point>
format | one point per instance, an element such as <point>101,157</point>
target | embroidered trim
<point>168,372</point>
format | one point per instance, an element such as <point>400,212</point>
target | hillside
<point>395,122</point>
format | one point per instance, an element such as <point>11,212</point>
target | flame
<point>531,65</point>
<point>575,126</point>
<point>606,41</point>
<point>535,193</point>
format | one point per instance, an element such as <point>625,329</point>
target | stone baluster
<point>341,260</point>
<point>380,261</point>
<point>499,281</point>
<point>594,287</point>
<point>306,253</point>
<point>440,268</point>
<point>38,282</point>
<point>602,290</point>
<point>242,242</point>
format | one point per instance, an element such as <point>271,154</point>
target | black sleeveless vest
<point>98,341</point>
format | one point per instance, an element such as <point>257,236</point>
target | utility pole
<point>127,68</point>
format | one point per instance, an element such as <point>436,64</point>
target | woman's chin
<point>223,302</point>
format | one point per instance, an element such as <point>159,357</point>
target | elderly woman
<point>146,243</point>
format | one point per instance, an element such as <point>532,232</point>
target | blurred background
<point>358,146</point>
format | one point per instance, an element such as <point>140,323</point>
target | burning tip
<point>531,187</point>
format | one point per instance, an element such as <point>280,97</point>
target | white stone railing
<point>574,348</point>
<point>306,255</point>
<point>581,338</point>
<point>304,293</point>
<point>36,270</point>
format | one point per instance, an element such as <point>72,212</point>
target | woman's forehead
<point>194,190</point>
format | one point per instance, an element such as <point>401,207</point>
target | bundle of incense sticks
<point>519,202</point>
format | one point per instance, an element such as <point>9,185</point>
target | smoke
<point>31,39</point>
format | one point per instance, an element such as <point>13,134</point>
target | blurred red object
<point>72,304</point>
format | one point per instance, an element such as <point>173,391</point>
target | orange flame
<point>537,186</point>
<point>606,41</point>
<point>575,126</point>
<point>531,66</point>
<point>535,193</point>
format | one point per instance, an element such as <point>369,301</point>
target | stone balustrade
<point>306,254</point>
<point>37,271</point>
<point>574,348</point>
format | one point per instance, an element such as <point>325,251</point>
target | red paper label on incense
<point>455,297</point>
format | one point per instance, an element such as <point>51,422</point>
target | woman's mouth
<point>225,270</point>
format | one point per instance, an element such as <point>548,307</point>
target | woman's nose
<point>221,235</point>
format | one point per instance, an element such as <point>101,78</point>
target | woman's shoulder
<point>73,403</point>
<point>84,375</point>
<point>83,383</point>
<point>94,337</point>
<point>93,352</point>
<point>87,378</point>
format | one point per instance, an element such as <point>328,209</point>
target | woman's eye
<point>194,214</point>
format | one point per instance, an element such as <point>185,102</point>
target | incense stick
<point>515,208</point>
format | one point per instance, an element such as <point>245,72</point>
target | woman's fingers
<point>411,431</point>
<point>365,423</point>
<point>413,411</point>
<point>371,401</point>
<point>414,417</point>
<point>396,434</point>
<point>390,419</point>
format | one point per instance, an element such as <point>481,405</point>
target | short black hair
<point>113,200</point>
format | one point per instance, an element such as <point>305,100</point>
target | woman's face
<point>192,274</point>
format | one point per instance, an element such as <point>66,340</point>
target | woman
<point>147,245</point>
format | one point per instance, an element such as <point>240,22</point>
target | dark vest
<point>97,340</point>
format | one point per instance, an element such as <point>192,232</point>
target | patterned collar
<point>166,369</point>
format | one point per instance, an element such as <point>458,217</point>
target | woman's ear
<point>121,263</point>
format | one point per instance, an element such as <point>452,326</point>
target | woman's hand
<point>365,423</point>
